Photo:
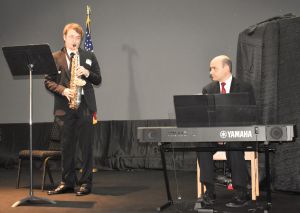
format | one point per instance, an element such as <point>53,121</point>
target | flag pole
<point>89,47</point>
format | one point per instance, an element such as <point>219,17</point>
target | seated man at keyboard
<point>224,82</point>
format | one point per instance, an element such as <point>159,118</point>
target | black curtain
<point>115,145</point>
<point>268,56</point>
<point>15,137</point>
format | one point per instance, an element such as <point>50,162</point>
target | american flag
<point>88,44</point>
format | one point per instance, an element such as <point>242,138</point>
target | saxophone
<point>76,83</point>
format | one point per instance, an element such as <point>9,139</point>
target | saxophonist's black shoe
<point>84,189</point>
<point>61,189</point>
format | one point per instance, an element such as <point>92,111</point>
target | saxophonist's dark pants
<point>77,125</point>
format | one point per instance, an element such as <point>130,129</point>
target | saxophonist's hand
<point>68,93</point>
<point>82,71</point>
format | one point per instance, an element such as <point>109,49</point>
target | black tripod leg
<point>163,160</point>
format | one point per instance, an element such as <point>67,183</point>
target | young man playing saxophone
<point>78,120</point>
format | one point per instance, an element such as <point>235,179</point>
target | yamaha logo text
<point>236,134</point>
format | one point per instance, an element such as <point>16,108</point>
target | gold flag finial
<point>88,10</point>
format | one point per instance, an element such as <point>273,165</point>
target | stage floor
<point>128,192</point>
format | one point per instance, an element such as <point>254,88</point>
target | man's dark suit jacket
<point>236,87</point>
<point>56,83</point>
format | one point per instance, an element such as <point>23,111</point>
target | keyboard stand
<point>163,149</point>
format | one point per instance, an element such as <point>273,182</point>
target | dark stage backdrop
<point>115,145</point>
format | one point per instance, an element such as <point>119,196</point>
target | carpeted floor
<point>128,192</point>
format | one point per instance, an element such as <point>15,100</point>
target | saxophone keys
<point>80,82</point>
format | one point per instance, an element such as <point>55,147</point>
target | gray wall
<point>149,50</point>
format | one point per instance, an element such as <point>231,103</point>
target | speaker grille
<point>152,135</point>
<point>276,133</point>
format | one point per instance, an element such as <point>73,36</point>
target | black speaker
<point>277,133</point>
<point>152,135</point>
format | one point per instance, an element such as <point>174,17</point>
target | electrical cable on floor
<point>175,174</point>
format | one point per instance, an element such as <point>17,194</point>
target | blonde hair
<point>73,26</point>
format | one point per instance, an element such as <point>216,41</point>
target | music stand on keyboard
<point>233,109</point>
<point>27,61</point>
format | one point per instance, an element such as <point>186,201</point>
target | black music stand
<point>23,61</point>
<point>232,109</point>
